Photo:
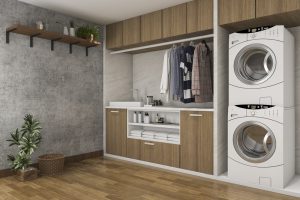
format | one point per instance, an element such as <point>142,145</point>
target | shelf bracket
<point>52,43</point>
<point>87,49</point>
<point>71,46</point>
<point>31,39</point>
<point>7,35</point>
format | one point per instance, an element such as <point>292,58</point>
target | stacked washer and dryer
<point>261,116</point>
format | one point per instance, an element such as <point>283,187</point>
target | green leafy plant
<point>86,32</point>
<point>27,140</point>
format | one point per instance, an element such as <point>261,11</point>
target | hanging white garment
<point>165,77</point>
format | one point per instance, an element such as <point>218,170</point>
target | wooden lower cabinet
<point>196,136</point>
<point>160,153</point>
<point>133,148</point>
<point>116,131</point>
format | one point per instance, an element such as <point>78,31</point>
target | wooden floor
<point>115,180</point>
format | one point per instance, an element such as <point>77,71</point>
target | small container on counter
<point>147,118</point>
<point>135,117</point>
<point>140,120</point>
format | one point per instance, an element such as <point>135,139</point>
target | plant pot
<point>27,174</point>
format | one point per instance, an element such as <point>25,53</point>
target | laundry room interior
<point>173,99</point>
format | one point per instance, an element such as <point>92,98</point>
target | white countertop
<point>161,108</point>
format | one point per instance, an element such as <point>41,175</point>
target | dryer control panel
<point>256,110</point>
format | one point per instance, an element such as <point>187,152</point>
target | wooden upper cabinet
<point>231,11</point>
<point>114,35</point>
<point>269,7</point>
<point>273,7</point>
<point>151,26</point>
<point>132,31</point>
<point>174,21</point>
<point>199,15</point>
<point>292,5</point>
<point>116,131</point>
<point>196,135</point>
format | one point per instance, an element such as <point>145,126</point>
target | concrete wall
<point>62,90</point>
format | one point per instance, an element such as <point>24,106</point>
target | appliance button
<point>253,35</point>
<point>252,113</point>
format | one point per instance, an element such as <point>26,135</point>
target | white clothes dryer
<point>261,67</point>
<point>261,144</point>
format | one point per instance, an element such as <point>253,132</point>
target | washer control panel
<point>256,110</point>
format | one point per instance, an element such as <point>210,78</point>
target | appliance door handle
<point>114,111</point>
<point>265,142</point>
<point>149,143</point>
<point>266,62</point>
<point>196,115</point>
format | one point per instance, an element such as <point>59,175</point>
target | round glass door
<point>254,142</point>
<point>254,64</point>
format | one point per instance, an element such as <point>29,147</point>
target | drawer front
<point>134,149</point>
<point>160,153</point>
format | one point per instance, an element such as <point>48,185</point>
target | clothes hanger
<point>192,43</point>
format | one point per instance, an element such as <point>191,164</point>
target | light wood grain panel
<point>189,130</point>
<point>269,7</point>
<point>199,15</point>
<point>160,153</point>
<point>174,21</point>
<point>236,10</point>
<point>205,143</point>
<point>134,149</point>
<point>114,35</point>
<point>116,131</point>
<point>151,26</point>
<point>132,31</point>
<point>292,5</point>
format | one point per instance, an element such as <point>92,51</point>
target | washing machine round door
<point>254,142</point>
<point>254,64</point>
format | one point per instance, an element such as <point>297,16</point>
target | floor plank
<point>118,180</point>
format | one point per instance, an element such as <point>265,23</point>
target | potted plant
<point>27,140</point>
<point>90,33</point>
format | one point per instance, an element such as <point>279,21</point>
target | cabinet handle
<point>196,115</point>
<point>149,143</point>
<point>114,111</point>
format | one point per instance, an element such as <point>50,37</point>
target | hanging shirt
<point>175,73</point>
<point>165,78</point>
<point>187,65</point>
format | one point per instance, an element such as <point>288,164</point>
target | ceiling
<point>104,11</point>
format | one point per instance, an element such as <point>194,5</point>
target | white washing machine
<point>261,144</point>
<point>261,67</point>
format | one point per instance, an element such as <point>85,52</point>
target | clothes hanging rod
<point>163,44</point>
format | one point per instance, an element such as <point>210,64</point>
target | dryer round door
<point>254,64</point>
<point>254,142</point>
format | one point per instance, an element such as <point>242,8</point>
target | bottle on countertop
<point>157,118</point>
<point>140,117</point>
<point>134,117</point>
<point>147,118</point>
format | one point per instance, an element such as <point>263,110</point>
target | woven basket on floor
<point>51,164</point>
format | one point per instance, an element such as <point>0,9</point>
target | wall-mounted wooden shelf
<point>52,36</point>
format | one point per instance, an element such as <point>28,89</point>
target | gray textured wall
<point>63,91</point>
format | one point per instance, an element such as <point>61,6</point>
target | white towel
<point>147,136</point>
<point>160,138</point>
<point>150,133</point>
<point>135,135</point>
<point>136,131</point>
<point>165,78</point>
<point>173,135</point>
<point>174,140</point>
<point>161,134</point>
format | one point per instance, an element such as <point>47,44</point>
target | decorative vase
<point>66,31</point>
<point>72,32</point>
<point>27,174</point>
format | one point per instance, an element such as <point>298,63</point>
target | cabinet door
<point>196,135</point>
<point>236,10</point>
<point>292,5</point>
<point>116,131</point>
<point>114,35</point>
<point>160,153</point>
<point>205,143</point>
<point>269,7</point>
<point>174,21</point>
<point>133,149</point>
<point>132,31</point>
<point>151,26</point>
<point>199,15</point>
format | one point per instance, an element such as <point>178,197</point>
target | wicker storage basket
<point>51,164</point>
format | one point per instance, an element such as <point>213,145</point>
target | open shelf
<point>48,35</point>
<point>156,125</point>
